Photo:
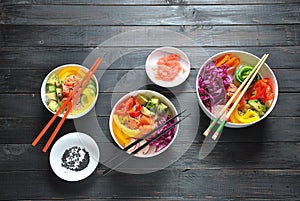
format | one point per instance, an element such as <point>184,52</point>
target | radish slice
<point>134,147</point>
<point>144,150</point>
<point>151,150</point>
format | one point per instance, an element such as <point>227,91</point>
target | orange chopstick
<point>84,80</point>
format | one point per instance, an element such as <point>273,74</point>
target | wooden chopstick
<point>246,82</point>
<point>108,170</point>
<point>144,137</point>
<point>75,94</point>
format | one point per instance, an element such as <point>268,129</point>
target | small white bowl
<point>148,93</point>
<point>66,142</point>
<point>246,58</point>
<point>57,70</point>
<point>155,55</point>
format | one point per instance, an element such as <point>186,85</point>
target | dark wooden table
<point>261,162</point>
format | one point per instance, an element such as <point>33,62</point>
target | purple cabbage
<point>212,84</point>
<point>165,139</point>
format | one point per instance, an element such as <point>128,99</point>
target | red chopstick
<point>75,95</point>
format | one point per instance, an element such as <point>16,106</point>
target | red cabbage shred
<point>165,139</point>
<point>212,84</point>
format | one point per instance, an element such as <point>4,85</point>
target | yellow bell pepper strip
<point>248,117</point>
<point>123,139</point>
<point>233,119</point>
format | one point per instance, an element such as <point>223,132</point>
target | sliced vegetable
<point>142,99</point>
<point>135,110</point>
<point>212,84</point>
<point>249,116</point>
<point>241,73</point>
<point>53,105</point>
<point>258,106</point>
<point>152,104</point>
<point>164,140</point>
<point>54,80</point>
<point>147,112</point>
<point>126,130</point>
<point>51,88</point>
<point>262,90</point>
<point>229,60</point>
<point>124,140</point>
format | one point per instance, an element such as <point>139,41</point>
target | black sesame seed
<point>72,160</point>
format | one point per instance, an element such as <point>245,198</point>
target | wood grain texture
<point>150,15</point>
<point>260,162</point>
<point>18,130</point>
<point>30,81</point>
<point>203,36</point>
<point>145,2</point>
<point>32,105</point>
<point>165,184</point>
<point>47,58</point>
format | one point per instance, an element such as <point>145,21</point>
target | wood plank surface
<point>145,2</point>
<point>166,185</point>
<point>30,81</point>
<point>47,58</point>
<point>19,130</point>
<point>149,15</point>
<point>203,36</point>
<point>260,162</point>
<point>33,107</point>
<point>225,155</point>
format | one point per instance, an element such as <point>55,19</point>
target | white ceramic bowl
<point>245,59</point>
<point>148,93</point>
<point>73,141</point>
<point>56,71</point>
<point>156,54</point>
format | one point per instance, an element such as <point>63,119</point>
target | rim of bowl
<point>229,124</point>
<point>43,90</point>
<point>154,93</point>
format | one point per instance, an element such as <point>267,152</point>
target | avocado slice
<point>59,93</point>
<point>142,99</point>
<point>53,105</point>
<point>50,88</point>
<point>146,112</point>
<point>161,108</point>
<point>258,106</point>
<point>52,80</point>
<point>152,103</point>
<point>51,96</point>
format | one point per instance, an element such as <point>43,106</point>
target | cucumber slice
<point>84,100</point>
<point>87,97</point>
<point>92,87</point>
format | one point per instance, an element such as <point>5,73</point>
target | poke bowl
<point>59,84</point>
<point>220,76</point>
<point>136,114</point>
